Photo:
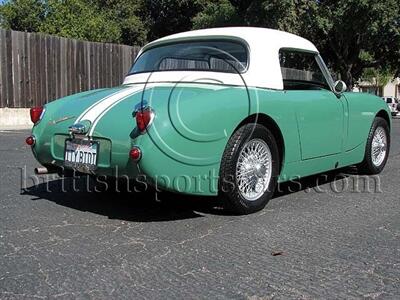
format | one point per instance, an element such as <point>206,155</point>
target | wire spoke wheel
<point>249,169</point>
<point>254,169</point>
<point>379,146</point>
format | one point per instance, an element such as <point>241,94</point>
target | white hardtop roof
<point>263,44</point>
<point>273,38</point>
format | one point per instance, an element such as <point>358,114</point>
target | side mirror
<point>339,87</point>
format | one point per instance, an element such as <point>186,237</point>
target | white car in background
<point>393,104</point>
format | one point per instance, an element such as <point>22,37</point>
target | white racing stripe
<point>93,105</point>
<point>92,128</point>
<point>93,112</point>
<point>97,111</point>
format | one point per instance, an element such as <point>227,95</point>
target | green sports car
<point>225,111</point>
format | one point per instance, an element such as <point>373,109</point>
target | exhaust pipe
<point>41,170</point>
<point>44,170</point>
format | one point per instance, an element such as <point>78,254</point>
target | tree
<point>351,34</point>
<point>80,19</point>
<point>377,77</point>
<point>287,15</point>
<point>217,14</point>
<point>164,17</point>
<point>127,15</point>
<point>23,15</point>
<point>357,34</point>
<point>116,21</point>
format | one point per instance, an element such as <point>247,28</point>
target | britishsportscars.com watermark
<point>336,182</point>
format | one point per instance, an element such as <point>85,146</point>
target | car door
<point>319,112</point>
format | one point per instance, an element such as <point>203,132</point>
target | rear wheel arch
<point>269,123</point>
<point>384,115</point>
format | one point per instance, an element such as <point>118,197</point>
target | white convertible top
<point>264,45</point>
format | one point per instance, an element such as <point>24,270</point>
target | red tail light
<point>36,114</point>
<point>144,118</point>
<point>30,140</point>
<point>135,153</point>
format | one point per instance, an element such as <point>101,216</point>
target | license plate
<point>81,154</point>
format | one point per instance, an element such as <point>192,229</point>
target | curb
<point>15,119</point>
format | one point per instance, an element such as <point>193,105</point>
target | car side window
<point>300,71</point>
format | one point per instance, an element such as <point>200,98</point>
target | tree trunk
<point>347,77</point>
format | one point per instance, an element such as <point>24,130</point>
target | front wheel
<point>377,148</point>
<point>249,169</point>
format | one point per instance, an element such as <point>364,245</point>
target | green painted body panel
<point>184,145</point>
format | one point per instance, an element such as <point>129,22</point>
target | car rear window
<point>217,56</point>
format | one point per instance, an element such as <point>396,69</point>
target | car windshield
<point>217,56</point>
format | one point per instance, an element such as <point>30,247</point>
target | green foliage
<point>164,17</point>
<point>119,21</point>
<point>352,35</point>
<point>358,34</point>
<point>95,20</point>
<point>22,15</point>
<point>79,19</point>
<point>216,14</point>
<point>287,15</point>
<point>377,77</point>
<point>126,14</point>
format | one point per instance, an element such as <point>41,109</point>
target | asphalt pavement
<point>338,236</point>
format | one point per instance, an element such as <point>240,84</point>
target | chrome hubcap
<point>379,146</point>
<point>253,169</point>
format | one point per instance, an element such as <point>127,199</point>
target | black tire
<point>367,166</point>
<point>228,187</point>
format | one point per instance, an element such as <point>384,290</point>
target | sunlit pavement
<point>331,241</point>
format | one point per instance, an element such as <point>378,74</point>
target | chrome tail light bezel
<point>144,108</point>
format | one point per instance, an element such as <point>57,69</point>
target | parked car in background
<point>226,112</point>
<point>393,104</point>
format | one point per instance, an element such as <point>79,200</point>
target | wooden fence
<point>37,68</point>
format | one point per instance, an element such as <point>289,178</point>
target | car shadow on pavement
<point>120,202</point>
<point>149,206</point>
<point>313,182</point>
